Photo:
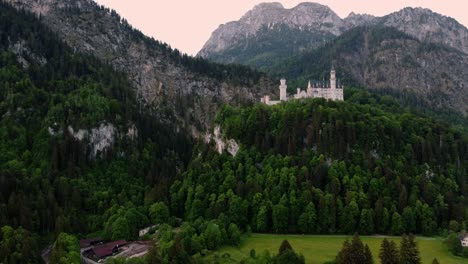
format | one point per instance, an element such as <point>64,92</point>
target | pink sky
<point>187,24</point>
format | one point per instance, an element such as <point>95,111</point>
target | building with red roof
<point>108,249</point>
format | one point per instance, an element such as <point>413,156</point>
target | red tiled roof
<point>84,243</point>
<point>105,250</point>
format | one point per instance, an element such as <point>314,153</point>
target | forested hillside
<point>330,167</point>
<point>76,148</point>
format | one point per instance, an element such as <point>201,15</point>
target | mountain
<point>271,32</point>
<point>385,59</point>
<point>181,90</point>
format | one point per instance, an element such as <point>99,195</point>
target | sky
<point>188,24</point>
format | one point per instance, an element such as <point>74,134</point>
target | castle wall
<point>329,93</point>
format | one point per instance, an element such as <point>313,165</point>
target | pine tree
<point>355,252</point>
<point>409,252</point>
<point>344,256</point>
<point>284,246</point>
<point>368,255</point>
<point>388,252</point>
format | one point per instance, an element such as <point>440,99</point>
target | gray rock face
<point>305,16</point>
<point>355,20</point>
<point>177,96</point>
<point>423,24</point>
<point>428,26</point>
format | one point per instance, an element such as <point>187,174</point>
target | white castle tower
<point>283,87</point>
<point>333,83</point>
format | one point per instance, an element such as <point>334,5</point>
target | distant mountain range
<point>266,23</point>
<point>412,51</point>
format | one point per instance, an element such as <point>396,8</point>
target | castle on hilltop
<point>317,89</point>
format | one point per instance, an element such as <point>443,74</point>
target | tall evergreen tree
<point>409,251</point>
<point>355,252</point>
<point>388,252</point>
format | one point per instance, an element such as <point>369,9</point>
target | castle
<point>328,90</point>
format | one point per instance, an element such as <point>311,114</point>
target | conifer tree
<point>388,252</point>
<point>284,246</point>
<point>368,255</point>
<point>409,252</point>
<point>355,252</point>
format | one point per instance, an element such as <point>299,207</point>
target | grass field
<point>319,249</point>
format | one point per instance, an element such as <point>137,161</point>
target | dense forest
<point>330,167</point>
<point>313,166</point>
<point>56,106</point>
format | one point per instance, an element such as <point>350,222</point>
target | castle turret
<point>283,87</point>
<point>332,94</point>
<point>310,91</point>
<point>333,78</point>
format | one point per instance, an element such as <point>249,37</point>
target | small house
<point>464,239</point>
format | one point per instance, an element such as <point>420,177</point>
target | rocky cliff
<point>312,25</point>
<point>162,80</point>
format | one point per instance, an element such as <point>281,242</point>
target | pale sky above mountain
<point>188,24</point>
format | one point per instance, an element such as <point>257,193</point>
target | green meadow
<point>319,249</point>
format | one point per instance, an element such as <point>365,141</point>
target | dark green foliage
<point>435,261</point>
<point>284,246</point>
<point>53,182</point>
<point>65,250</point>
<point>389,252</point>
<point>287,255</point>
<point>153,255</point>
<point>316,166</point>
<point>454,245</point>
<point>397,224</point>
<point>409,252</point>
<point>18,246</point>
<point>159,213</point>
<point>355,252</point>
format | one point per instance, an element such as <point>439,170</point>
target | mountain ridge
<point>432,28</point>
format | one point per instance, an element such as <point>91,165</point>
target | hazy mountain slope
<point>182,90</point>
<point>269,32</point>
<point>429,26</point>
<point>384,58</point>
<point>310,25</point>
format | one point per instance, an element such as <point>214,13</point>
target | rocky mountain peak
<point>427,25</point>
<point>305,16</point>
<point>268,6</point>
<point>319,23</point>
